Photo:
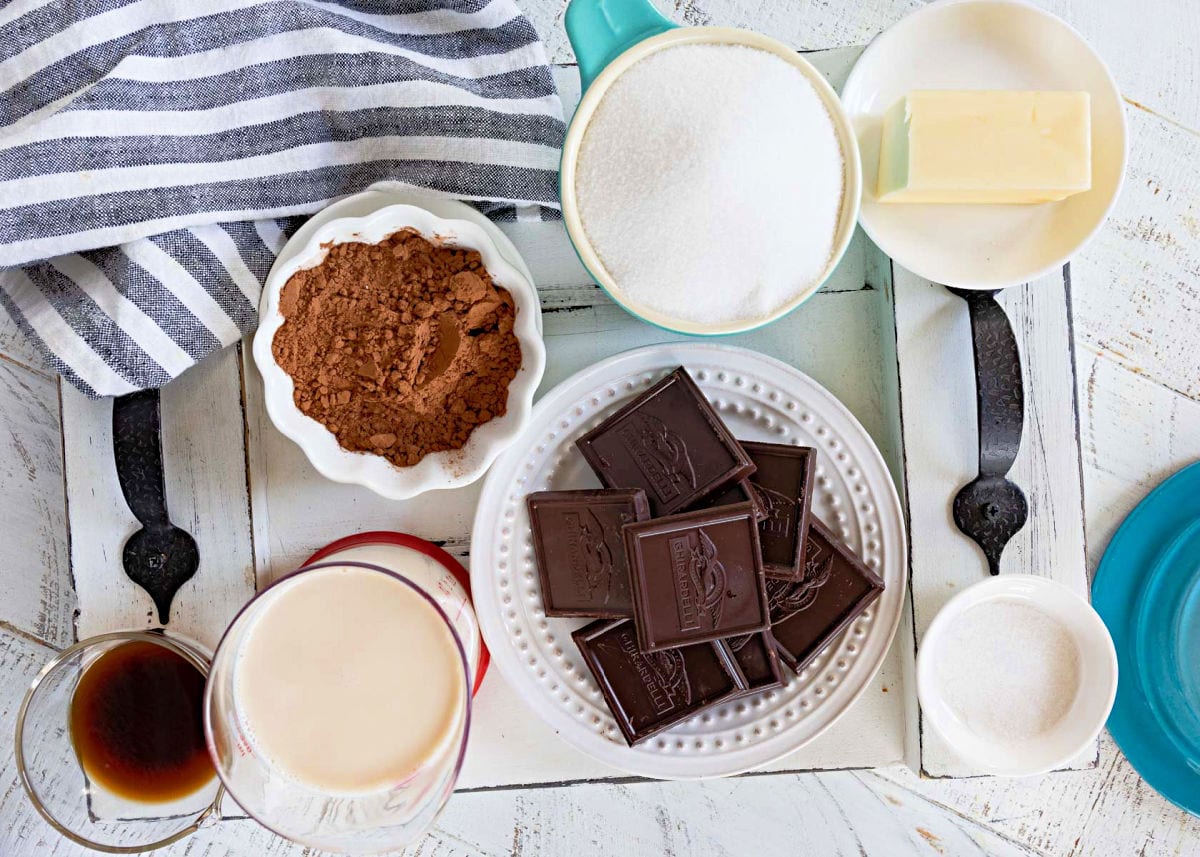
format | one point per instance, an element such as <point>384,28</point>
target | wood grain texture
<point>1166,80</point>
<point>1136,318</point>
<point>1103,812</point>
<point>302,511</point>
<point>16,348</point>
<point>204,464</point>
<point>941,440</point>
<point>804,24</point>
<point>35,579</point>
<point>1137,286</point>
<point>1135,433</point>
<point>838,813</point>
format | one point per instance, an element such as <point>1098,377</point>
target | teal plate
<point>1147,591</point>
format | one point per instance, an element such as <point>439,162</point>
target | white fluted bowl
<point>450,469</point>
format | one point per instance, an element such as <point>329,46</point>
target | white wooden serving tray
<point>896,350</point>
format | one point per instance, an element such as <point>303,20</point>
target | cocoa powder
<point>399,348</point>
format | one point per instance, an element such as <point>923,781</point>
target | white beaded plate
<point>760,399</point>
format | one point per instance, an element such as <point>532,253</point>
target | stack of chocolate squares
<point>699,559</point>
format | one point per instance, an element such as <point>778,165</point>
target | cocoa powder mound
<point>399,348</point>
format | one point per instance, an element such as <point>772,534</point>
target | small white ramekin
<point>1089,710</point>
<point>450,469</point>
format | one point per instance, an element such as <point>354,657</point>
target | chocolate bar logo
<point>736,644</point>
<point>589,556</point>
<point>660,454</point>
<point>700,580</point>
<point>663,674</point>
<point>780,522</point>
<point>785,598</point>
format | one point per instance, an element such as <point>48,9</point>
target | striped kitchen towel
<point>154,153</point>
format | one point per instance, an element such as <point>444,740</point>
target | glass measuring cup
<point>76,806</point>
<point>361,822</point>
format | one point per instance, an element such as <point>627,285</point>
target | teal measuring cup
<point>609,36</point>
<point>601,30</point>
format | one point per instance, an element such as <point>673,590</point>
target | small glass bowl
<point>49,768</point>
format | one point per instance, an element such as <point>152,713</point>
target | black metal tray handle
<point>160,557</point>
<point>991,509</point>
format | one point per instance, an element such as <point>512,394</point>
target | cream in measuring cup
<point>339,700</point>
<point>349,681</point>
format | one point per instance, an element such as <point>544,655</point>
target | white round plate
<point>368,202</point>
<point>760,399</point>
<point>984,44</point>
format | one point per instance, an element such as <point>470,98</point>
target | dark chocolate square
<point>756,659</point>
<point>668,441</point>
<point>650,692</point>
<point>784,481</point>
<point>837,587</point>
<point>787,597</point>
<point>579,550</point>
<point>696,576</point>
<point>735,492</point>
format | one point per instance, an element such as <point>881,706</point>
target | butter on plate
<point>982,146</point>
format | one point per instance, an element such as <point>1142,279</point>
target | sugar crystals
<point>710,183</point>
<point>1008,670</point>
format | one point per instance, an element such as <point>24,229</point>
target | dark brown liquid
<point>138,726</point>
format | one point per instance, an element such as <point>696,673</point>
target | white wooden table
<point>1136,302</point>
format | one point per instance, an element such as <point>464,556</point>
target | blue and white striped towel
<point>153,153</point>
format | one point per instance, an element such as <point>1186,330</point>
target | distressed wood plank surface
<point>16,348</point>
<point>36,591</point>
<point>204,468</point>
<point>835,813</point>
<point>1135,434</point>
<point>1137,286</point>
<point>1165,80</point>
<point>941,442</point>
<point>1136,313</point>
<point>509,745</point>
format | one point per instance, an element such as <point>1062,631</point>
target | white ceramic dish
<point>760,399</point>
<point>1089,710</point>
<point>380,196</point>
<point>591,100</point>
<point>437,470</point>
<point>984,44</point>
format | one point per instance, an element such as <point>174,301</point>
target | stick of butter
<point>980,146</point>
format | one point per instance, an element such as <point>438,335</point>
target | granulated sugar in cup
<point>710,180</point>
